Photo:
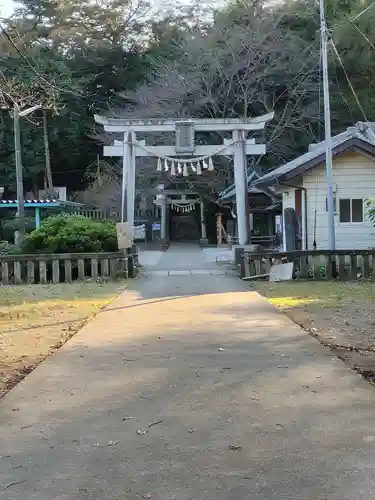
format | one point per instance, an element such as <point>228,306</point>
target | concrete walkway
<point>186,257</point>
<point>189,388</point>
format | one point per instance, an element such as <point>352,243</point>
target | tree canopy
<point>248,57</point>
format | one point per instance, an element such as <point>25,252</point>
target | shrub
<point>66,233</point>
<point>7,248</point>
<point>9,226</point>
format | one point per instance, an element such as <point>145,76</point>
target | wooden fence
<point>315,265</point>
<point>65,268</point>
<point>111,215</point>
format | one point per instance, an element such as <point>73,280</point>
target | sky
<point>6,7</point>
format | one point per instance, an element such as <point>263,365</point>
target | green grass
<point>315,294</point>
<point>37,319</point>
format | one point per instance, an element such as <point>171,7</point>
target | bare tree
<point>237,70</point>
<point>245,64</point>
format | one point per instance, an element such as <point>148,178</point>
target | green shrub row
<point>66,233</point>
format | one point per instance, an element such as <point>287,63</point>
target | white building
<point>303,185</point>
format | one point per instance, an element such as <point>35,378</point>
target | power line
<point>14,45</point>
<point>348,79</point>
<point>341,92</point>
<point>364,36</point>
<point>333,29</point>
<point>36,73</point>
<point>362,12</point>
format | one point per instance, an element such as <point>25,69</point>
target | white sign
<point>139,232</point>
<point>124,237</point>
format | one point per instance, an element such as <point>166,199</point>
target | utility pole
<point>19,176</point>
<point>17,114</point>
<point>327,128</point>
<point>47,153</point>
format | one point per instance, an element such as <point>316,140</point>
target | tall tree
<point>81,55</point>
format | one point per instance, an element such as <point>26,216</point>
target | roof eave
<point>354,144</point>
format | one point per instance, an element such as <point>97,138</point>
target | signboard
<point>139,232</point>
<point>156,226</point>
<point>124,237</point>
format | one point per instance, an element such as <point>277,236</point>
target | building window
<point>351,210</point>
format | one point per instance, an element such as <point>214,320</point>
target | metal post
<point>241,186</point>
<point>19,176</point>
<point>37,217</point>
<point>327,125</point>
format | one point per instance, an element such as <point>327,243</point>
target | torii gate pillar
<point>240,179</point>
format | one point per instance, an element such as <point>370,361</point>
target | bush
<point>67,233</point>
<point>9,226</point>
<point>7,248</point>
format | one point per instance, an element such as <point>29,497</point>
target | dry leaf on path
<point>235,447</point>
<point>155,423</point>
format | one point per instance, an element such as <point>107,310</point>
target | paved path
<point>186,257</point>
<point>245,405</point>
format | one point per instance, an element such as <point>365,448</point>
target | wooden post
<point>42,272</point>
<point>104,268</point>
<point>4,273</point>
<point>81,269</point>
<point>316,264</point>
<point>218,229</point>
<point>366,266</point>
<point>342,273</point>
<point>68,270</point>
<point>163,219</point>
<point>113,269</point>
<point>56,271</point>
<point>353,267</point>
<point>131,273</point>
<point>17,273</point>
<point>204,239</point>
<point>94,269</point>
<point>30,271</point>
<point>329,263</point>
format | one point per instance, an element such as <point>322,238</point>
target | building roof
<point>229,194</point>
<point>40,203</point>
<point>359,138</point>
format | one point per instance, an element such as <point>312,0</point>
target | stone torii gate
<point>186,154</point>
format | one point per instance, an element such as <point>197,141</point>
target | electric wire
<point>332,43</point>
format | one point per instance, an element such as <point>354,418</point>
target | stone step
<point>187,272</point>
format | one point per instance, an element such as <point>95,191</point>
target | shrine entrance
<point>185,158</point>
<point>184,226</point>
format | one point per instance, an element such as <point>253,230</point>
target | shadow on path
<point>189,388</point>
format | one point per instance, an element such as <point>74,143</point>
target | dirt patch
<point>340,315</point>
<point>35,320</point>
